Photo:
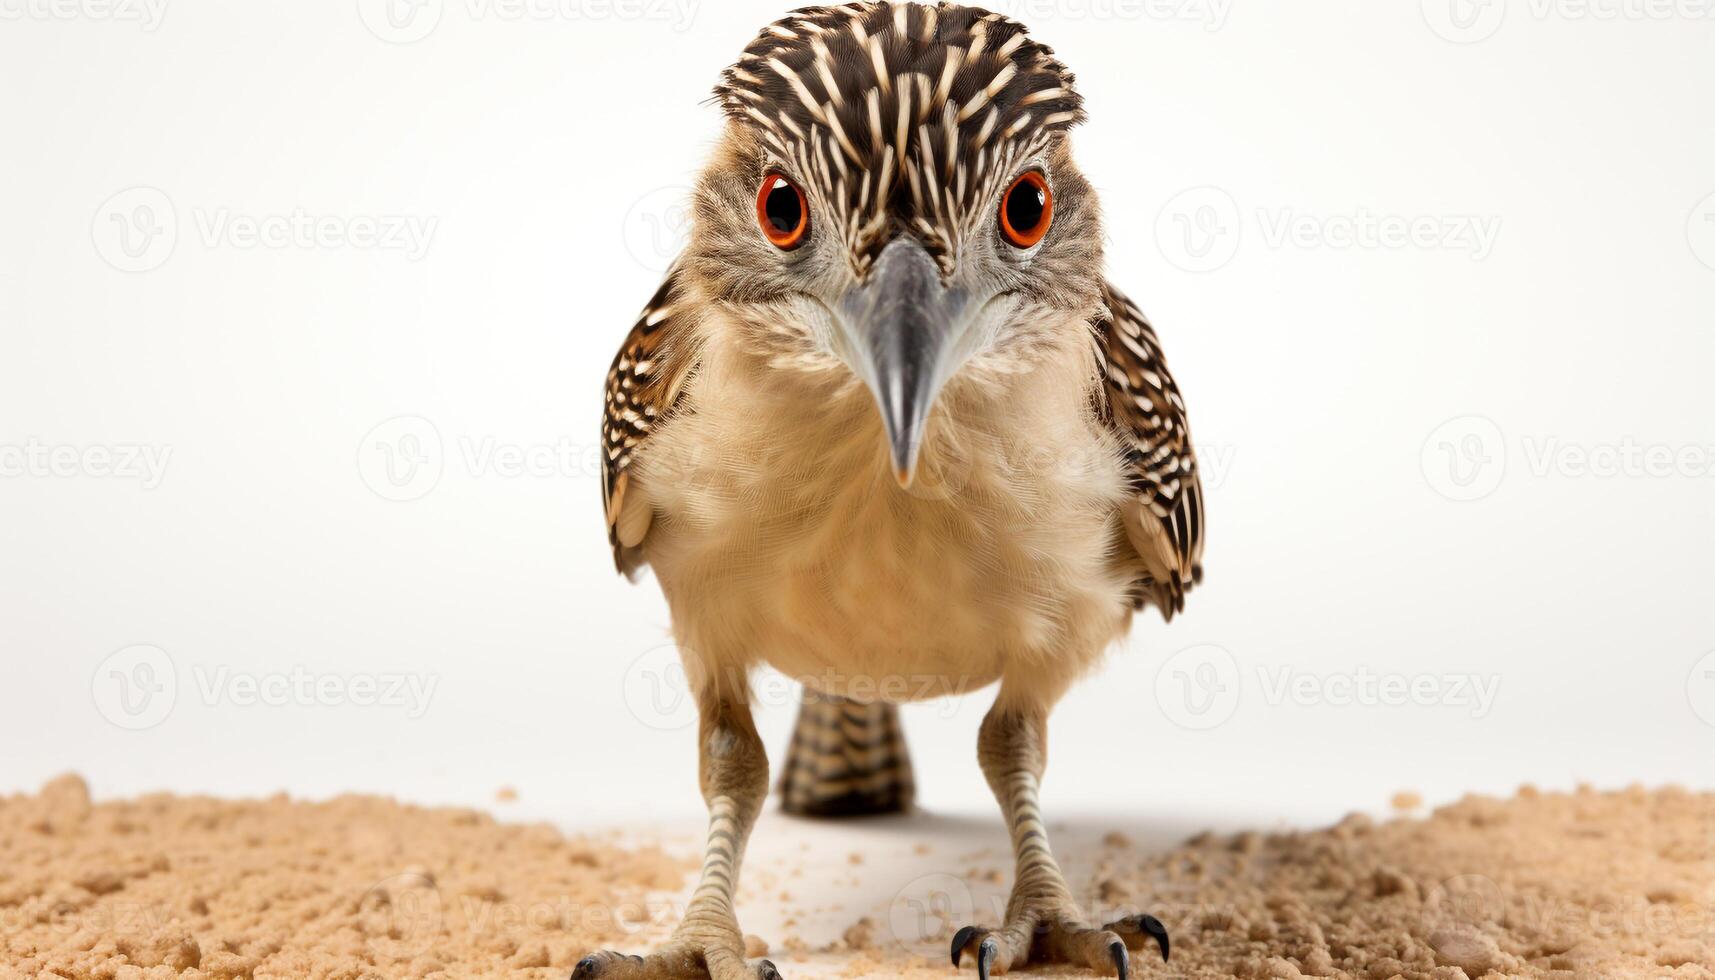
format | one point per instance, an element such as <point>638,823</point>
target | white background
<point>1349,395</point>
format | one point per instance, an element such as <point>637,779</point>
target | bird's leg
<point>707,943</point>
<point>1042,922</point>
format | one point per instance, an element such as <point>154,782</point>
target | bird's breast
<point>783,537</point>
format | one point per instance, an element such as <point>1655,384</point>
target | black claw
<point>1150,924</point>
<point>1147,925</point>
<point>766,970</point>
<point>987,950</point>
<point>586,968</point>
<point>960,939</point>
<point>1122,960</point>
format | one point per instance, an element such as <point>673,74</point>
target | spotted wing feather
<point>1142,405</point>
<point>643,388</point>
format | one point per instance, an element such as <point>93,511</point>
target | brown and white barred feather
<point>1142,404</point>
<point>873,103</point>
<point>846,759</point>
<point>643,387</point>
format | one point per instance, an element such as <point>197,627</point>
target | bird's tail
<point>847,759</point>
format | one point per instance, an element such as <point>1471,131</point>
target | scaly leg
<point>1042,922</point>
<point>708,943</point>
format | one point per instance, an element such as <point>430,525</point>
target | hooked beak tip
<point>904,462</point>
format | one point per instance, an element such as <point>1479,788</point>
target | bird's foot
<point>679,960</point>
<point>1060,938</point>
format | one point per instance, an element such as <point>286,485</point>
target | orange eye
<point>782,212</point>
<point>1026,210</point>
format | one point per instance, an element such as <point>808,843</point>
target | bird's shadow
<point>1070,832</point>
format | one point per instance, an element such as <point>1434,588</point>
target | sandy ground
<point>1574,886</point>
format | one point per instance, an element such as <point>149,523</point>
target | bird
<point>887,428</point>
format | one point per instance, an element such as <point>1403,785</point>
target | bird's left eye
<point>1026,210</point>
<point>782,212</point>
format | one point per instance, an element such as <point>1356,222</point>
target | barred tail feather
<point>846,759</point>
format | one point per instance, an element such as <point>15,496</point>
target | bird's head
<point>894,201</point>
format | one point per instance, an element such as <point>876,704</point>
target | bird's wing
<point>643,386</point>
<point>1141,405</point>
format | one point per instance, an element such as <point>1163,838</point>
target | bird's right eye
<point>782,212</point>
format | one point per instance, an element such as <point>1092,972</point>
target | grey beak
<point>901,328</point>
